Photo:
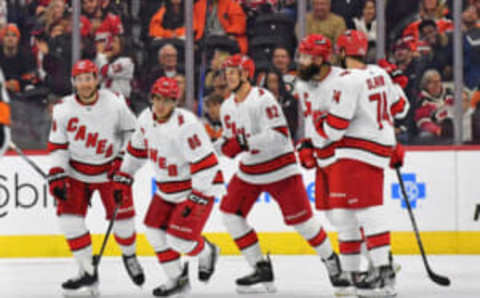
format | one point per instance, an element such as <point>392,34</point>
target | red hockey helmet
<point>167,87</point>
<point>84,66</point>
<point>316,45</point>
<point>241,61</point>
<point>355,43</point>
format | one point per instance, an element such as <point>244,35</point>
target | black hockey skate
<point>340,280</point>
<point>263,275</point>
<point>84,281</point>
<point>206,268</point>
<point>134,269</point>
<point>378,283</point>
<point>181,286</point>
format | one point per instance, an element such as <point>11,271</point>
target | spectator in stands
<point>211,120</point>
<point>224,17</point>
<point>468,117</point>
<point>322,21</point>
<point>167,65</point>
<point>216,65</point>
<point>220,86</point>
<point>181,101</point>
<point>115,62</point>
<point>407,62</point>
<point>274,82</point>
<point>3,13</point>
<point>53,14</point>
<point>16,63</point>
<point>348,10</point>
<point>367,24</point>
<point>471,46</point>
<point>99,17</point>
<point>282,62</point>
<point>429,10</point>
<point>434,49</point>
<point>168,22</point>
<point>476,3</point>
<point>434,112</point>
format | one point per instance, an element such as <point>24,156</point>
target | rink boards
<point>442,183</point>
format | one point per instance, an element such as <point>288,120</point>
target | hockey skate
<point>134,269</point>
<point>339,280</point>
<point>84,284</point>
<point>379,283</point>
<point>260,281</point>
<point>206,267</point>
<point>180,287</point>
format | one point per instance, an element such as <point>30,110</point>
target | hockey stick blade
<point>438,279</point>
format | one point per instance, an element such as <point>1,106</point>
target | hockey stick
<point>438,279</point>
<point>98,257</point>
<point>28,160</point>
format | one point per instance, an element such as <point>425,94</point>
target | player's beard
<point>89,96</point>
<point>343,62</point>
<point>239,85</point>
<point>307,73</point>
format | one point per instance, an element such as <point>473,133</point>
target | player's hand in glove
<point>305,152</point>
<point>398,155</point>
<point>122,186</point>
<point>233,146</point>
<point>58,183</point>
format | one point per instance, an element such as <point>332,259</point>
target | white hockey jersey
<point>181,153</point>
<point>260,118</point>
<point>359,119</point>
<point>117,76</point>
<point>314,100</point>
<point>85,139</point>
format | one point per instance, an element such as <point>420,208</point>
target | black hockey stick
<point>98,257</point>
<point>438,279</point>
<point>28,160</point>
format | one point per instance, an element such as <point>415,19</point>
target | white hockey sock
<point>168,258</point>
<point>125,236</point>
<point>244,236</point>
<point>379,247</point>
<point>316,236</point>
<point>78,239</point>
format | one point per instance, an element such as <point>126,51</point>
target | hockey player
<point>255,128</point>
<point>188,178</point>
<point>5,120</point>
<point>359,121</point>
<point>88,133</point>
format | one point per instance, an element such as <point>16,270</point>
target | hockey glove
<point>58,183</point>
<point>197,203</point>
<point>398,155</point>
<point>305,153</point>
<point>233,146</point>
<point>122,186</point>
<point>114,167</point>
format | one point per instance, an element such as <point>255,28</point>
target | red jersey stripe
<point>270,165</point>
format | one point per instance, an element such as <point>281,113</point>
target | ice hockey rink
<point>296,276</point>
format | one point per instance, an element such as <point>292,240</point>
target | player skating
<point>188,178</point>
<point>255,128</point>
<point>88,132</point>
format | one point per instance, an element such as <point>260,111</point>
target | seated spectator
<point>434,49</point>
<point>468,117</point>
<point>225,17</point>
<point>114,62</point>
<point>181,102</point>
<point>274,82</point>
<point>429,10</point>
<point>367,22</point>
<point>216,64</point>
<point>434,111</point>
<point>168,22</point>
<point>99,17</point>
<point>55,11</point>
<point>219,85</point>
<point>167,65</point>
<point>16,63</point>
<point>322,21</point>
<point>348,10</point>
<point>211,120</point>
<point>282,62</point>
<point>471,46</point>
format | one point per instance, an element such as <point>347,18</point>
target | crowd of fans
<point>134,42</point>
